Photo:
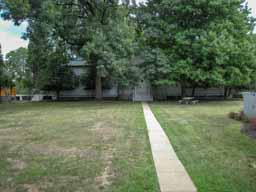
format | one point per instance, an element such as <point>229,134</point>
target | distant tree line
<point>5,78</point>
<point>2,78</point>
<point>191,43</point>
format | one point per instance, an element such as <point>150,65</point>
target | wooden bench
<point>188,100</point>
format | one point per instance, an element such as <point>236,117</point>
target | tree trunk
<point>98,86</point>
<point>0,93</point>
<point>58,95</point>
<point>118,92</point>
<point>229,92</point>
<point>183,91</point>
<point>193,91</point>
<point>9,94</point>
<point>225,93</point>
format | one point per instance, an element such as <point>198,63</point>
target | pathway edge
<point>172,175</point>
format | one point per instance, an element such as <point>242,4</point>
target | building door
<point>142,92</point>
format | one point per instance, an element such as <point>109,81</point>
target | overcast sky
<point>10,34</point>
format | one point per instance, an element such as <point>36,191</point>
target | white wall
<point>175,91</point>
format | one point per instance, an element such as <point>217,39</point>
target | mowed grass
<point>217,156</point>
<point>75,147</point>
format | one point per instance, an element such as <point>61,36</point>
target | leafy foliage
<point>48,56</point>
<point>99,31</point>
<point>5,79</point>
<point>16,10</point>
<point>57,75</point>
<point>111,49</point>
<point>1,68</point>
<point>194,43</point>
<point>198,42</point>
<point>18,69</point>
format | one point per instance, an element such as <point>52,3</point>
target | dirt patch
<point>252,162</point>
<point>249,130</point>
<point>107,175</point>
<point>104,180</point>
<point>17,164</point>
<point>31,188</point>
<point>104,130</point>
<point>60,151</point>
<point>7,130</point>
<point>9,137</point>
<point>107,133</point>
<point>7,189</point>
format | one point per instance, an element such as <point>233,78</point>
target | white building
<point>142,92</point>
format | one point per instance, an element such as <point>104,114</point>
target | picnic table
<point>188,100</point>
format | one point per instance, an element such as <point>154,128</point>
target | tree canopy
<point>193,43</point>
<point>18,69</point>
<point>98,31</point>
<point>1,68</point>
<point>198,43</point>
<point>5,78</point>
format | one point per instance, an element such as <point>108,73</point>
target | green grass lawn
<point>216,155</point>
<point>75,147</point>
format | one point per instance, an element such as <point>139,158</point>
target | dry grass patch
<point>75,146</point>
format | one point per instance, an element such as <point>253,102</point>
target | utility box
<point>250,105</point>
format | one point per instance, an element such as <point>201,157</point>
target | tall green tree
<point>19,70</point>
<point>99,31</point>
<point>103,35</point>
<point>110,52</point>
<point>1,69</point>
<point>5,78</point>
<point>47,52</point>
<point>187,40</point>
<point>57,75</point>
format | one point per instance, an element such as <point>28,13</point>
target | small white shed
<point>250,104</point>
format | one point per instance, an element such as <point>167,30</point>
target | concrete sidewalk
<point>171,174</point>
